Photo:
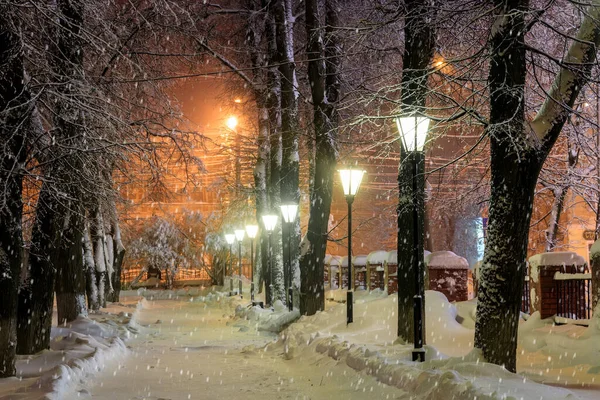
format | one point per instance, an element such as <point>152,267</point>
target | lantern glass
<point>251,231</point>
<point>413,131</point>
<point>351,179</point>
<point>230,238</point>
<point>289,212</point>
<point>270,221</point>
<point>239,234</point>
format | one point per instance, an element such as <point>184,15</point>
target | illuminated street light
<point>270,221</point>
<point>251,231</point>
<point>232,122</point>
<point>289,211</point>
<point>351,179</point>
<point>413,132</point>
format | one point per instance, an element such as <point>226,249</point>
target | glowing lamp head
<point>413,131</point>
<point>351,179</point>
<point>251,231</point>
<point>289,212</point>
<point>239,234</point>
<point>270,222</point>
<point>231,122</point>
<point>230,238</point>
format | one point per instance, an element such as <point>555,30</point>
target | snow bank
<point>266,319</point>
<point>453,370</point>
<point>77,350</point>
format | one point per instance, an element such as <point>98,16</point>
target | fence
<point>573,295</point>
<point>185,274</point>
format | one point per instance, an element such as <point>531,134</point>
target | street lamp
<point>251,231</point>
<point>351,179</point>
<point>289,212</point>
<point>413,132</point>
<point>239,235</point>
<point>230,238</point>
<point>270,221</point>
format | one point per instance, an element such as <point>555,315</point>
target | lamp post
<point>270,221</point>
<point>230,238</point>
<point>251,231</point>
<point>239,235</point>
<point>351,179</point>
<point>289,212</point>
<point>413,131</point>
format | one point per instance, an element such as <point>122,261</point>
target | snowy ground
<point>198,344</point>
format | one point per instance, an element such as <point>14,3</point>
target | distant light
<point>237,100</point>
<point>231,122</point>
<point>269,221</point>
<point>289,212</point>
<point>251,230</point>
<point>239,234</point>
<point>230,238</point>
<point>586,104</point>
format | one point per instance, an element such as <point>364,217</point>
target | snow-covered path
<point>190,351</point>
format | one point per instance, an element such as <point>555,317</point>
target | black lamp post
<point>239,235</point>
<point>413,131</point>
<point>251,231</point>
<point>289,212</point>
<point>230,238</point>
<point>270,221</point>
<point>351,179</point>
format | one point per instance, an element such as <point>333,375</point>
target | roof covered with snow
<point>335,261</point>
<point>446,259</point>
<point>360,260</point>
<point>557,258</point>
<point>392,257</point>
<point>377,257</point>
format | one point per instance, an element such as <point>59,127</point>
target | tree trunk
<point>11,185</point>
<point>70,273</point>
<point>560,195</point>
<point>260,187</point>
<point>275,276</point>
<point>91,287</point>
<point>325,95</point>
<point>290,164</point>
<point>419,42</point>
<point>514,171</point>
<point>97,234</point>
<point>36,296</point>
<point>516,161</point>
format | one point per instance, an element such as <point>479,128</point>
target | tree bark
<point>290,161</point>
<point>325,95</point>
<point>275,146</point>
<point>419,42</point>
<point>70,273</point>
<point>91,287</point>
<point>12,137</point>
<point>36,296</point>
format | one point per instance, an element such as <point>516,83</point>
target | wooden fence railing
<point>573,295</point>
